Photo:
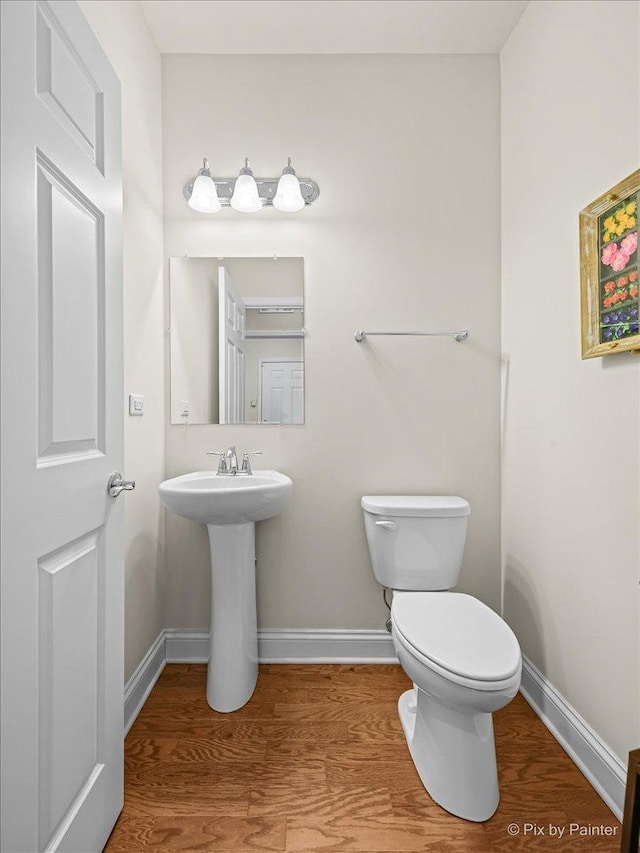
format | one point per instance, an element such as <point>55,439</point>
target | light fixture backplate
<point>266,190</point>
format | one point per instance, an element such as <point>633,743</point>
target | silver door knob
<point>116,485</point>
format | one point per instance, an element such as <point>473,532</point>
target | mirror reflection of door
<point>281,392</point>
<point>231,317</point>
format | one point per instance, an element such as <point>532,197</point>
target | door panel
<point>281,392</point>
<point>70,318</point>
<point>65,85</point>
<point>61,593</point>
<point>231,313</point>
<point>70,666</point>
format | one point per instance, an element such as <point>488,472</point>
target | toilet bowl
<point>463,659</point>
<point>465,663</point>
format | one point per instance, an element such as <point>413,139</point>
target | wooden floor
<point>317,762</point>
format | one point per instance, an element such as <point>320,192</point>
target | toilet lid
<point>458,633</point>
<point>412,506</point>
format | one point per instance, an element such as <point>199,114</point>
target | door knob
<point>116,485</point>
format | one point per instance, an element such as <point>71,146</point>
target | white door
<point>231,325</point>
<point>281,392</point>
<point>61,725</point>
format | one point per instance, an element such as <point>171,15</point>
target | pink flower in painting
<point>629,244</point>
<point>609,252</point>
<point>620,260</point>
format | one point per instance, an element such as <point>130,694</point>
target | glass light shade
<point>245,196</point>
<point>204,197</point>
<point>288,197</point>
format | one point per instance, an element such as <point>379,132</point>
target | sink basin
<point>230,506</point>
<point>210,499</point>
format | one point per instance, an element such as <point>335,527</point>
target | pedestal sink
<point>230,506</point>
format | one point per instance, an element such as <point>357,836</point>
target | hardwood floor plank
<point>341,693</point>
<point>225,726</point>
<point>399,773</point>
<point>199,710</point>
<point>381,731</point>
<point>174,799</point>
<point>298,750</point>
<point>363,751</point>
<point>207,747</point>
<point>373,835</point>
<point>251,774</point>
<point>198,832</point>
<point>321,802</point>
<point>349,712</point>
<point>290,675</point>
<point>308,731</point>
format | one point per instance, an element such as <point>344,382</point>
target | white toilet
<point>464,661</point>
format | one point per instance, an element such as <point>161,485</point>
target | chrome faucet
<point>228,461</point>
<point>231,458</point>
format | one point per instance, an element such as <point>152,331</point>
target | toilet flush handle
<point>388,525</point>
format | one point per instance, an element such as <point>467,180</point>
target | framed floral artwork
<point>609,271</point>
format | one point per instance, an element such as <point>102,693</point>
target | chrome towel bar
<point>459,336</point>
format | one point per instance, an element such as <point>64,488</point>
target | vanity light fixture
<point>203,196</point>
<point>248,194</point>
<point>245,196</point>
<point>288,197</point>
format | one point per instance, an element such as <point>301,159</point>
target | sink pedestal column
<point>233,643</point>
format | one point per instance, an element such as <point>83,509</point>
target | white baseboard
<point>186,646</point>
<point>143,679</point>
<point>278,645</point>
<point>604,770</point>
<point>325,646</point>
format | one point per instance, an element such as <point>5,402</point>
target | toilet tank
<point>416,542</point>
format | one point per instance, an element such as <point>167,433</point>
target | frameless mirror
<point>237,340</point>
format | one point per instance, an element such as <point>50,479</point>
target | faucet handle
<point>222,462</point>
<point>246,464</point>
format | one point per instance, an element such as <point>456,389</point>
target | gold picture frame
<point>609,271</point>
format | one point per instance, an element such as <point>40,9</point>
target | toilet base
<point>454,754</point>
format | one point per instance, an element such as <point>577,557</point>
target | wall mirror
<point>237,340</point>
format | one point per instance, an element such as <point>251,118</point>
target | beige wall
<point>570,130</point>
<point>266,276</point>
<point>122,30</point>
<point>405,234</point>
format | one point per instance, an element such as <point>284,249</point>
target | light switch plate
<point>184,408</point>
<point>136,404</point>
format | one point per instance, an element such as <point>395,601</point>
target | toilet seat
<point>458,637</point>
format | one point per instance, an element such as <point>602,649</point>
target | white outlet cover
<point>136,404</point>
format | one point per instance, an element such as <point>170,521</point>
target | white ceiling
<point>332,26</point>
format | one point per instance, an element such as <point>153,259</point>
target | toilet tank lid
<point>435,506</point>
